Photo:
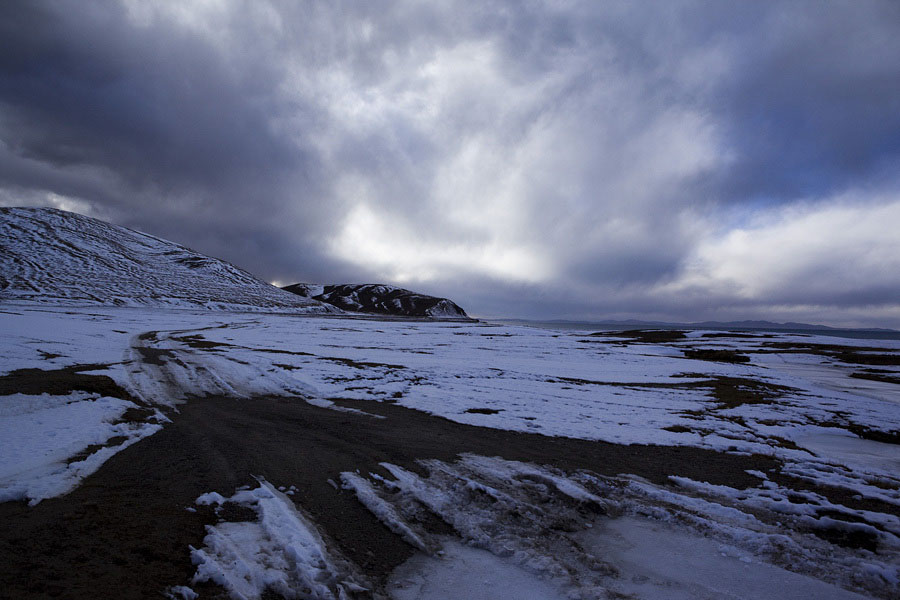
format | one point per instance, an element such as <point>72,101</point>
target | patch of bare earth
<point>125,532</point>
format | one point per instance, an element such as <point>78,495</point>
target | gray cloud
<point>582,159</point>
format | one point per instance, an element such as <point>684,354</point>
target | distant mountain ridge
<point>380,299</point>
<point>53,256</point>
<point>748,325</point>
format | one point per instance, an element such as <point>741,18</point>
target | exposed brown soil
<point>863,358</point>
<point>483,411</point>
<point>733,334</point>
<point>360,364</point>
<point>125,532</point>
<point>60,382</point>
<point>728,392</point>
<point>820,348</point>
<point>867,433</point>
<point>729,356</point>
<point>116,440</point>
<point>836,495</point>
<point>199,342</point>
<point>841,536</point>
<point>646,336</point>
<point>732,392</point>
<point>678,429</point>
<point>877,377</point>
<point>155,356</point>
<point>853,355</point>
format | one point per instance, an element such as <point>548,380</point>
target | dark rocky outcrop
<point>380,300</point>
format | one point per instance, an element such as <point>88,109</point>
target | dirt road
<point>125,532</point>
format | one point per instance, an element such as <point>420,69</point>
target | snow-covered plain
<point>803,408</point>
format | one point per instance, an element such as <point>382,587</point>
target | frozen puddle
<point>853,451</point>
<point>466,572</point>
<point>657,562</point>
<point>654,562</point>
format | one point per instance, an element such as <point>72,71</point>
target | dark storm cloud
<point>152,123</point>
<point>93,90</point>
<point>816,102</point>
<point>526,158</point>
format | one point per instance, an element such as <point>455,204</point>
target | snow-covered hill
<point>380,299</point>
<point>52,256</point>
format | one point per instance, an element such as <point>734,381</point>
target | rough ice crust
<point>590,536</point>
<point>282,552</point>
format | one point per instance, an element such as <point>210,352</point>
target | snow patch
<point>210,498</point>
<point>182,592</point>
<point>282,552</point>
<point>385,512</point>
<point>40,435</point>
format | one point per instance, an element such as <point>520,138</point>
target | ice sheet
<point>660,562</point>
<point>688,540</point>
<point>466,572</point>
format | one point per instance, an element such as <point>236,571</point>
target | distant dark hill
<point>751,326</point>
<point>743,325</point>
<point>380,300</point>
<point>57,257</point>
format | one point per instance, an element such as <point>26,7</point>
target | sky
<point>676,160</point>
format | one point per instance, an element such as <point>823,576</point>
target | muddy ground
<point>125,533</point>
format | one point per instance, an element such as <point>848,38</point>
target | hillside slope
<point>381,300</point>
<point>53,256</point>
